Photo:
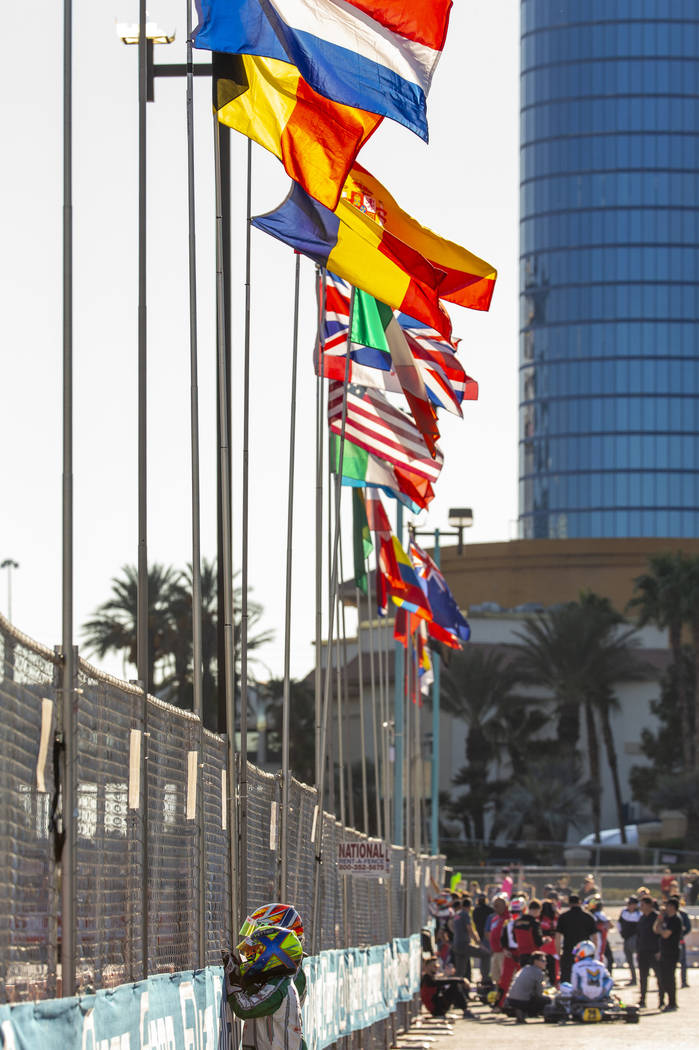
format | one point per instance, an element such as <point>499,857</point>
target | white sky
<point>464,185</point>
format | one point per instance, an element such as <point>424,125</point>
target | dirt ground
<point>655,1030</point>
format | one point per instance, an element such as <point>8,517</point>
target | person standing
<point>648,947</point>
<point>494,928</point>
<point>668,926</point>
<point>628,928</point>
<point>686,930</point>
<point>574,925</point>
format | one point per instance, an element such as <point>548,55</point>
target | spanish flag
<point>467,280</point>
<point>317,140</point>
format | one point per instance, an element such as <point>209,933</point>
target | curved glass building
<point>609,256</point>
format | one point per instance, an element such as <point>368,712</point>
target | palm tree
<point>579,652</point>
<point>477,688</point>
<point>112,628</point>
<point>549,797</point>
<point>302,725</point>
<point>660,596</point>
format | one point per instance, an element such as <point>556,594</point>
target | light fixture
<point>460,517</point>
<point>129,32</point>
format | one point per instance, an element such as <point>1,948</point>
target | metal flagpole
<point>346,720</point>
<point>142,656</point>
<point>362,726</point>
<point>286,704</point>
<point>69,742</point>
<point>197,664</point>
<point>229,664</point>
<point>320,289</point>
<point>406,793</point>
<point>328,671</point>
<point>244,614</point>
<point>399,688</point>
<point>417,757</point>
<point>374,728</point>
<point>436,697</point>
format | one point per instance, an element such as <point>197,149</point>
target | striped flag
<point>374,424</point>
<point>445,379</point>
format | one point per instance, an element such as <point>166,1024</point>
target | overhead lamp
<point>461,518</point>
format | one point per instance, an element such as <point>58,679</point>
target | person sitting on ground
<point>526,998</point>
<point>439,993</point>
<point>590,979</point>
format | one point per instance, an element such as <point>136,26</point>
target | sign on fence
<point>347,990</point>
<point>368,857</point>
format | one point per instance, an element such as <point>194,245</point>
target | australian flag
<point>448,625</point>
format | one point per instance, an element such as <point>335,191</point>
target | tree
<point>661,597</point>
<point>663,745</point>
<point>112,628</point>
<point>549,797</point>
<point>477,687</point>
<point>579,651</point>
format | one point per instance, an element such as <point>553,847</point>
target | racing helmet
<point>516,906</point>
<point>270,949</point>
<point>583,950</point>
<point>274,914</point>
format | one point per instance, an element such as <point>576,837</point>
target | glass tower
<point>609,258</point>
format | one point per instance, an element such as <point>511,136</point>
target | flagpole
<point>405,704</point>
<point>69,750</point>
<point>328,672</point>
<point>320,289</point>
<point>244,614</point>
<point>399,688</point>
<point>197,665</point>
<point>436,698</point>
<point>142,656</point>
<point>226,530</point>
<point>417,757</point>
<point>345,684</point>
<point>374,730</point>
<point>362,727</point>
<point>286,703</point>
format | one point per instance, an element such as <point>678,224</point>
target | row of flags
<point>311,81</point>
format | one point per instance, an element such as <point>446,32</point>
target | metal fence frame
<point>113,907</point>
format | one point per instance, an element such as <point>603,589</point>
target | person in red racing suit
<point>527,932</point>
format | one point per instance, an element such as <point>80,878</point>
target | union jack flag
<point>445,379</point>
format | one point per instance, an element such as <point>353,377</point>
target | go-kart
<point>487,992</point>
<point>564,1007</point>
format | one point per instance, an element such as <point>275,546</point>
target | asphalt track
<point>655,1030</point>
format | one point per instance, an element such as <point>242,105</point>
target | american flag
<point>374,424</point>
<point>445,379</point>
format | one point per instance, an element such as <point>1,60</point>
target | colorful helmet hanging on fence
<point>270,949</point>
<point>274,914</point>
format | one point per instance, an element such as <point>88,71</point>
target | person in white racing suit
<point>589,978</point>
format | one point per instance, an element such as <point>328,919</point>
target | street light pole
<point>9,564</point>
<point>461,518</point>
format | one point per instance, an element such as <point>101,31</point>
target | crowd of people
<point>523,944</point>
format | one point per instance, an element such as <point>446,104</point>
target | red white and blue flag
<point>445,379</point>
<point>376,55</point>
<point>448,625</point>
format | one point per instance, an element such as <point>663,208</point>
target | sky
<point>463,184</point>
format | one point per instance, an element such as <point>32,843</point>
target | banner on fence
<point>370,857</point>
<point>347,990</point>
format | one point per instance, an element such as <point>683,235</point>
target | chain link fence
<point>152,823</point>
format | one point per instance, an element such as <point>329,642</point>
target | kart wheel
<point>632,1016</point>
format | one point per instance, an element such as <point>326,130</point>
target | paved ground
<point>655,1031</point>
